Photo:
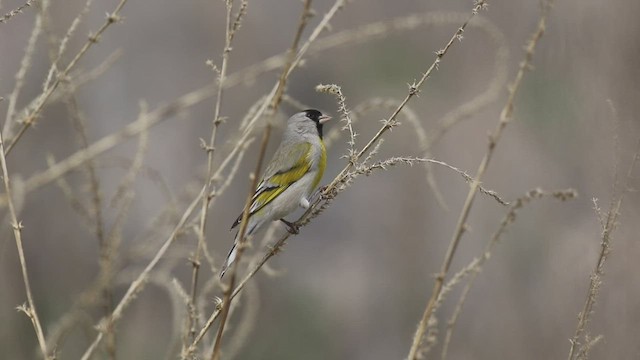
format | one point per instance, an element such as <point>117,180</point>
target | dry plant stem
<point>226,301</point>
<point>221,188</point>
<point>346,118</point>
<point>324,23</point>
<point>505,118</point>
<point>56,56</point>
<point>73,200</point>
<point>139,282</point>
<point>79,123</point>
<point>380,29</point>
<point>122,201</point>
<point>80,78</point>
<point>368,169</point>
<point>475,267</point>
<point>304,18</point>
<point>216,313</point>
<point>25,63</point>
<point>473,106</point>
<point>210,148</point>
<point>490,94</point>
<point>30,309</point>
<point>75,81</point>
<point>269,99</point>
<point>312,212</point>
<point>274,99</point>
<point>6,17</point>
<point>421,135</point>
<point>325,43</point>
<point>586,347</point>
<point>595,279</point>
<point>145,121</point>
<point>362,34</point>
<point>58,331</point>
<point>110,141</point>
<point>420,132</point>
<point>185,101</point>
<point>414,89</point>
<point>32,115</point>
<point>139,125</point>
<point>246,324</point>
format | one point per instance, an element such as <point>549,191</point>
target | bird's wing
<point>291,164</point>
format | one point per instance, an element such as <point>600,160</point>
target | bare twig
<point>367,169</point>
<point>344,117</point>
<point>273,99</point>
<point>29,119</point>
<point>370,32</point>
<point>226,301</point>
<point>138,283</point>
<point>505,118</point>
<point>316,208</point>
<point>145,121</point>
<point>475,267</point>
<point>122,200</point>
<point>268,100</point>
<point>6,17</point>
<point>414,89</point>
<point>62,47</point>
<point>79,123</point>
<point>110,141</point>
<point>133,129</point>
<point>30,308</point>
<point>25,63</point>
<point>337,183</point>
<point>230,30</point>
<point>595,280</point>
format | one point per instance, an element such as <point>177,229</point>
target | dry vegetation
<point>119,231</point>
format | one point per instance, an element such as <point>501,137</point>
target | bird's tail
<point>230,259</point>
<point>251,228</point>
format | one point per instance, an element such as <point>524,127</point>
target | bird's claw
<point>292,228</point>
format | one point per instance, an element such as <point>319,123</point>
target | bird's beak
<point>324,118</point>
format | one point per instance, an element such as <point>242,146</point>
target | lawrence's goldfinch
<point>290,178</point>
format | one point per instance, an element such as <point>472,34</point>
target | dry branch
<point>505,118</point>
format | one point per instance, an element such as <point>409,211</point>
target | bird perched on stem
<point>292,175</point>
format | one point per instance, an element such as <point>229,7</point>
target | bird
<point>290,178</point>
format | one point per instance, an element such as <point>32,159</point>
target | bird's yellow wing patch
<point>276,181</point>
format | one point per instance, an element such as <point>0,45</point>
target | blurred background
<point>354,283</point>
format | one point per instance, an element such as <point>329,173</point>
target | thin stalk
<point>226,300</point>
<point>210,149</point>
<point>505,117</point>
<point>226,303</point>
<point>30,309</point>
<point>32,115</point>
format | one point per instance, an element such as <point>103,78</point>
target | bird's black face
<point>317,118</point>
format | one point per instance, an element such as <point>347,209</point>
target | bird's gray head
<point>308,121</point>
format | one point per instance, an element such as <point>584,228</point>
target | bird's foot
<point>292,228</point>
